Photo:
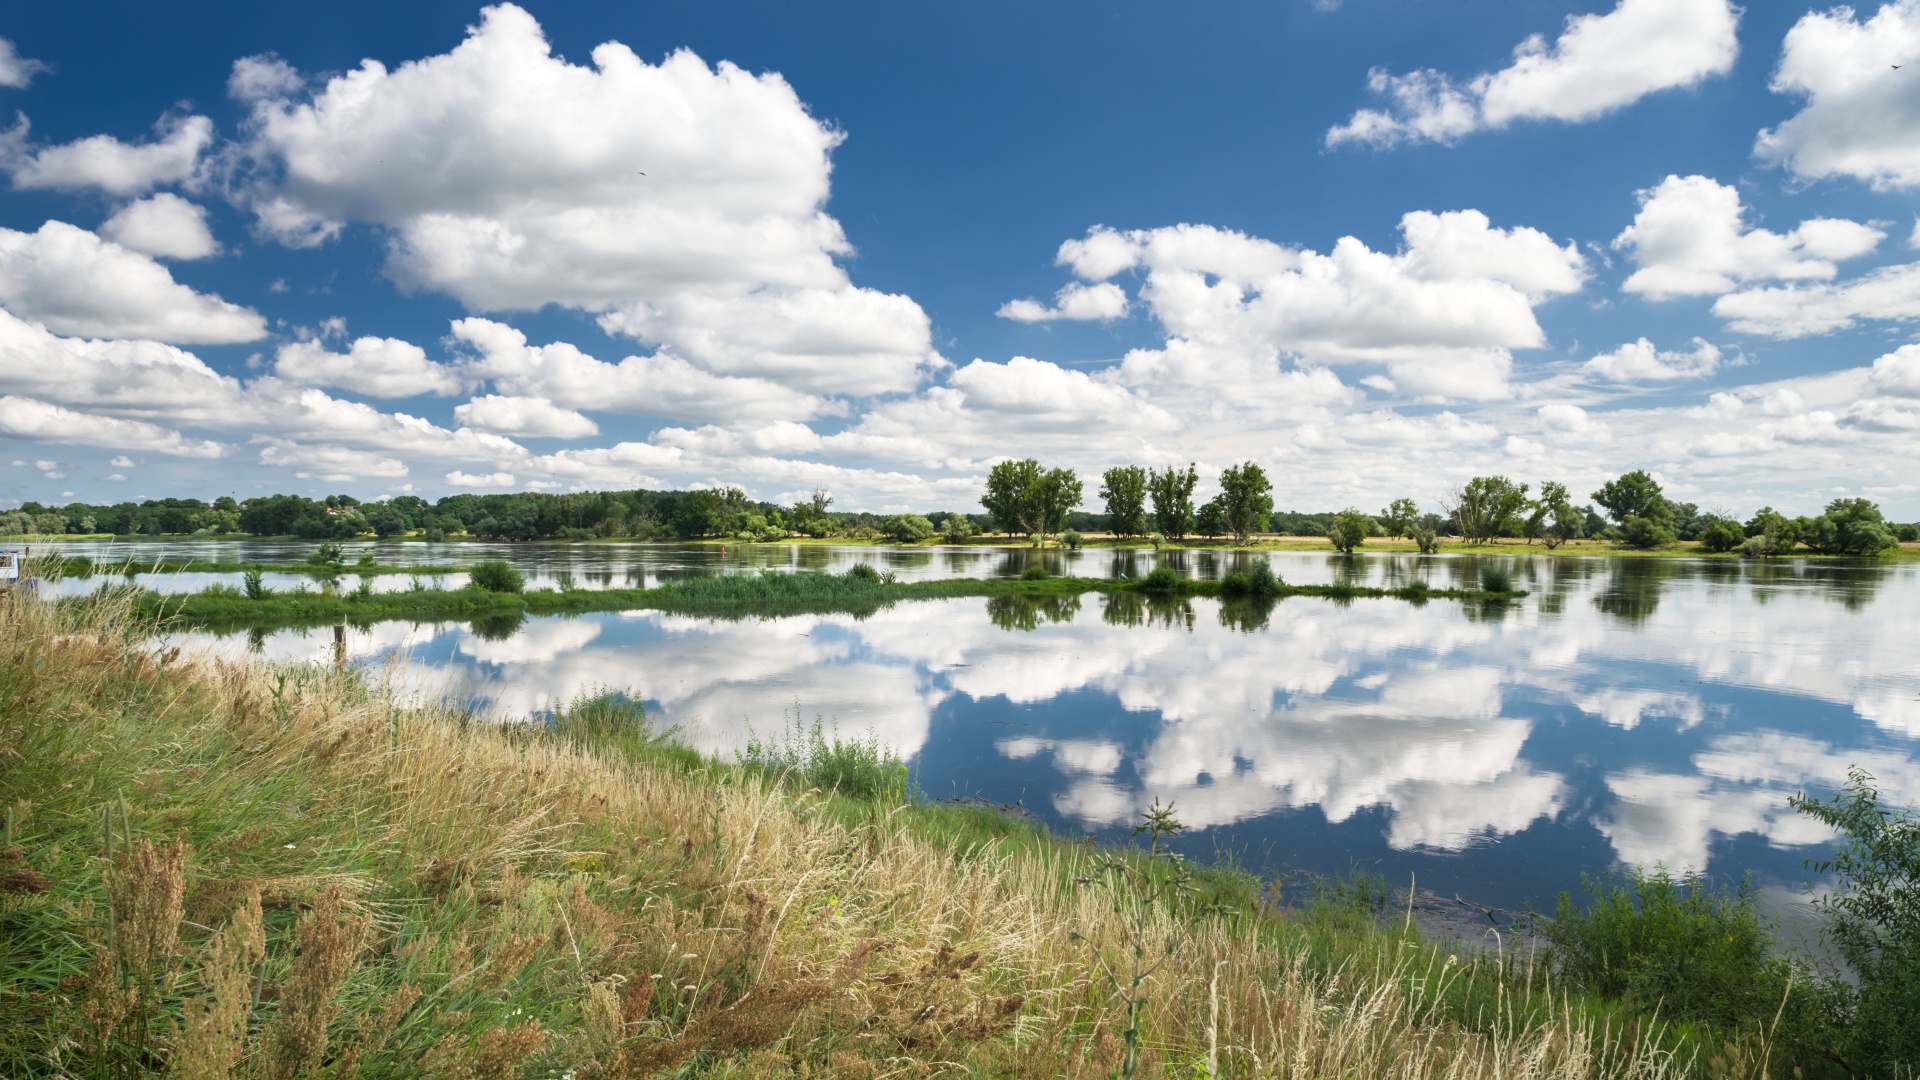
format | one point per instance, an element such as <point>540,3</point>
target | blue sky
<point>1379,247</point>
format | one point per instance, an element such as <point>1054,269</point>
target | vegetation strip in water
<point>295,866</point>
<point>859,590</point>
<point>76,566</point>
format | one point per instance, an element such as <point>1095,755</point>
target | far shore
<point>1688,549</point>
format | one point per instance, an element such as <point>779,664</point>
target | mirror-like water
<point>1628,712</point>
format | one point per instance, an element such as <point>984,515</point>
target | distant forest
<point>636,514</point>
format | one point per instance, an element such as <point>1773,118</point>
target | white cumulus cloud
<point>378,367</point>
<point>38,421</point>
<point>1441,313</point>
<point>163,224</point>
<point>534,416</point>
<point>106,163</point>
<point>1078,301</point>
<point>1793,311</point>
<point>659,385</point>
<point>17,71</point>
<point>1690,238</point>
<point>1897,374</point>
<point>1598,64</point>
<point>682,202</point>
<point>1639,361</point>
<point>488,480</point>
<point>1862,112</point>
<point>76,283</point>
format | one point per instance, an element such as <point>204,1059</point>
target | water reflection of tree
<point>1348,571</point>
<point>1633,588</point>
<point>498,627</point>
<point>1488,609</point>
<point>1247,615</point>
<point>1026,613</point>
<point>1015,561</point>
<point>1854,583</point>
<point>1135,609</point>
<point>906,558</point>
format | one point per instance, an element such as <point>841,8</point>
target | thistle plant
<point>1155,884</point>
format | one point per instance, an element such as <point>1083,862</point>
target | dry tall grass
<point>280,872</point>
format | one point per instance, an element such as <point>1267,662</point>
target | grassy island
<point>861,590</point>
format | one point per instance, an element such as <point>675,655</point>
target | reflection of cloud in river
<point>1432,747</point>
<point>1803,639</point>
<point>1346,707</point>
<point>1625,708</point>
<point>1741,786</point>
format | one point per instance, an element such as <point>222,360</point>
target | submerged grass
<point>227,868</point>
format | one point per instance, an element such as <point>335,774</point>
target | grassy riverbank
<point>217,867</point>
<point>765,595</point>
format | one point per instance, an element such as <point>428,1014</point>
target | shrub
<point>1722,535</point>
<point>1680,945</point>
<point>495,575</point>
<point>1156,539</point>
<point>435,535</point>
<point>1427,539</point>
<point>255,590</point>
<point>957,528</point>
<point>1873,917</point>
<point>1258,582</point>
<point>328,553</point>
<point>1496,578</point>
<point>1072,539</point>
<point>1163,579</point>
<point>1350,529</point>
<point>1034,573</point>
<point>599,716</point>
<point>857,768</point>
<point>907,528</point>
<point>1647,533</point>
<point>1849,527</point>
<point>868,573</point>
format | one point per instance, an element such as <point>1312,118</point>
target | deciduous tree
<point>1400,517</point>
<point>1485,507</point>
<point>1247,499</point>
<point>1172,492</point>
<point>1124,490</point>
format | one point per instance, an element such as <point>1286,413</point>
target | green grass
<point>83,566</point>
<point>765,595</point>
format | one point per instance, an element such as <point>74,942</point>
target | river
<point>1629,712</point>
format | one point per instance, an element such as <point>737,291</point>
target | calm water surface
<point>1628,712</point>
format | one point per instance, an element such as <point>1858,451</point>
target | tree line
<point>1023,498</point>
